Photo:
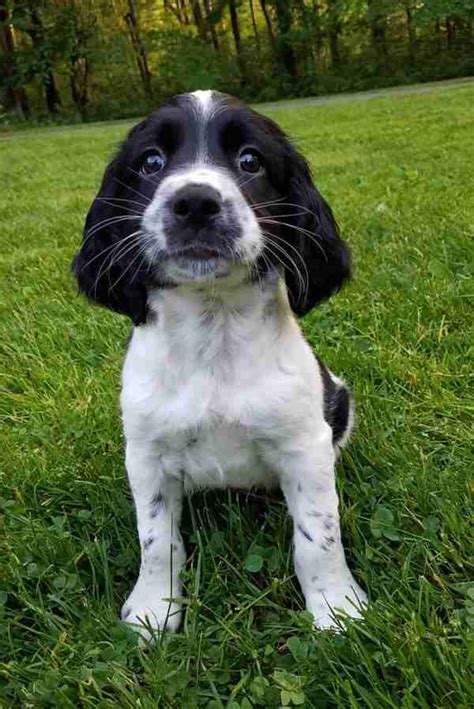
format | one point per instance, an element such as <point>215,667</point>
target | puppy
<point>208,233</point>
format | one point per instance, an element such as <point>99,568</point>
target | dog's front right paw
<point>347,600</point>
<point>148,612</point>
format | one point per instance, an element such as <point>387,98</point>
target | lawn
<point>398,173</point>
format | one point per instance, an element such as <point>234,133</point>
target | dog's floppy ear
<point>103,267</point>
<point>315,236</point>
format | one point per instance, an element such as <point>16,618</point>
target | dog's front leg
<point>308,483</point>
<point>158,502</point>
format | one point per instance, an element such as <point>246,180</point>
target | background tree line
<point>112,58</point>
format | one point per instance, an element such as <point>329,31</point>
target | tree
<point>15,98</point>
<point>79,25</point>
<point>411,31</point>
<point>30,13</point>
<point>132,22</point>
<point>82,58</point>
<point>377,20</point>
<point>333,29</point>
<point>234,21</point>
<point>285,51</point>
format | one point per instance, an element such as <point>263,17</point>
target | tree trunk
<point>79,62</point>
<point>449,33</point>
<point>271,36</point>
<point>411,33</point>
<point>333,32</point>
<point>178,9</point>
<point>36,32</point>
<point>254,25</point>
<point>53,100</point>
<point>210,26</point>
<point>183,12</point>
<point>286,53</point>
<point>378,30</point>
<point>198,19</point>
<point>16,99</point>
<point>438,35</point>
<point>316,21</point>
<point>131,19</point>
<point>79,81</point>
<point>234,21</point>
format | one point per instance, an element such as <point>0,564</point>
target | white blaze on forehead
<point>204,105</point>
<point>204,101</point>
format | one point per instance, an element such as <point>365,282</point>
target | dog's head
<point>202,187</point>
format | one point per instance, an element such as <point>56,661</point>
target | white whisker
<point>305,232</point>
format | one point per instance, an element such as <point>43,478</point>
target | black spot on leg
<point>148,542</point>
<point>314,579</point>
<point>328,543</point>
<point>207,318</point>
<point>299,487</point>
<point>305,533</point>
<point>126,612</point>
<point>157,501</point>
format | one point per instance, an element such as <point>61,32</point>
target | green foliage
<point>394,170</point>
<point>78,59</point>
<point>186,62</point>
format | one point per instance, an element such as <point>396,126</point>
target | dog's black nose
<point>196,205</point>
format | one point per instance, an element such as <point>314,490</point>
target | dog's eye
<point>249,161</point>
<point>153,162</point>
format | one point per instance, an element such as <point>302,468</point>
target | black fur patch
<point>305,533</point>
<point>156,503</point>
<point>328,543</point>
<point>337,404</point>
<point>157,499</point>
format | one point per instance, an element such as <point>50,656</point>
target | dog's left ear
<point>316,238</point>
<point>103,268</point>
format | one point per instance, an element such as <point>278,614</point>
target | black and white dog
<point>209,234</point>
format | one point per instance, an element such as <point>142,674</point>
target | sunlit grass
<point>398,173</point>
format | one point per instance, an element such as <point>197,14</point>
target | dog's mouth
<point>199,253</point>
<point>196,262</point>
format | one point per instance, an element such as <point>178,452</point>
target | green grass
<point>398,172</point>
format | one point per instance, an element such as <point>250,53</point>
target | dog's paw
<point>347,600</point>
<point>149,613</point>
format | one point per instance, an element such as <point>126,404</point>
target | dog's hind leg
<point>306,467</point>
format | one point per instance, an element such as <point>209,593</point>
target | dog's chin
<point>196,266</point>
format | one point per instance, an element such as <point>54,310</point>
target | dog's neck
<point>236,293</point>
<point>218,325</point>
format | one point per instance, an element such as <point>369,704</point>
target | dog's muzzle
<point>198,224</point>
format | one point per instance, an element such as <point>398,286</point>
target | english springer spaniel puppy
<point>208,233</point>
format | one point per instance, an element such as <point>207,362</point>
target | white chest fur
<point>214,376</point>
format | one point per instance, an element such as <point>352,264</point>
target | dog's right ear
<point>105,265</point>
